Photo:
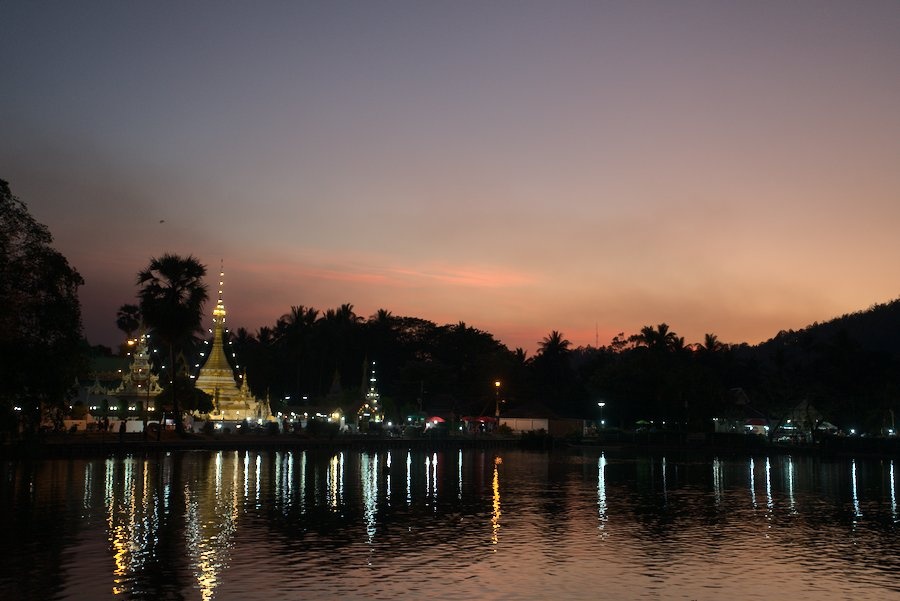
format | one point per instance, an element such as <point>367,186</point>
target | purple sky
<point>726,167</point>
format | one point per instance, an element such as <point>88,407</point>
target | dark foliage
<point>40,316</point>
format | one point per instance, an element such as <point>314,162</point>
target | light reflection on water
<point>448,524</point>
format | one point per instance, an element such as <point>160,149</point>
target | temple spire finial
<point>219,311</point>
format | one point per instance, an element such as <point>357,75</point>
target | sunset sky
<point>589,167</point>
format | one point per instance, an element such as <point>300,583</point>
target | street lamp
<point>497,402</point>
<point>601,404</point>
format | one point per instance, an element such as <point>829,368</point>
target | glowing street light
<point>497,402</point>
<point>601,404</point>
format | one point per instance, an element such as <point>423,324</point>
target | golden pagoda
<point>231,401</point>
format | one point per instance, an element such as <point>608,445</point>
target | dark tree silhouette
<point>128,319</point>
<point>294,331</point>
<point>553,372</point>
<point>171,300</point>
<point>40,315</point>
<point>660,339</point>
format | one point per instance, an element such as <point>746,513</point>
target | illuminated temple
<point>232,401</point>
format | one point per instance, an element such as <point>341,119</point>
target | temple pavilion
<point>231,397</point>
<point>139,386</point>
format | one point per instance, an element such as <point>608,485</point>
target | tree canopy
<point>171,297</point>
<point>40,314</point>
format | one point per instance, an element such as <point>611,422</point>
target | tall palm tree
<point>552,367</point>
<point>171,301</point>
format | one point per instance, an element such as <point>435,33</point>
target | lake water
<point>470,524</point>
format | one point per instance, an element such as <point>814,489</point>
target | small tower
<point>370,412</point>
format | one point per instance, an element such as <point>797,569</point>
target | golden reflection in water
<point>117,527</point>
<point>601,493</point>
<point>335,491</point>
<point>211,523</point>
<point>495,514</point>
<point>130,518</point>
<point>217,473</point>
<point>258,468</point>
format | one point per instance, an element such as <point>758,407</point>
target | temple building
<point>120,386</point>
<point>139,387</point>
<point>232,401</point>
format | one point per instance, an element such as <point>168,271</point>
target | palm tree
<point>552,367</point>
<point>171,300</point>
<point>660,339</point>
<point>128,319</point>
<point>554,345</point>
<point>711,344</point>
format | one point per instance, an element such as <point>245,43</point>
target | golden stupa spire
<point>219,311</point>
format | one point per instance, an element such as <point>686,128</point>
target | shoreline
<point>93,445</point>
<point>105,444</point>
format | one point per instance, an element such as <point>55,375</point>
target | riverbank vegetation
<point>839,376</point>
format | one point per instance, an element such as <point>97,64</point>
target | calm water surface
<point>496,524</point>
